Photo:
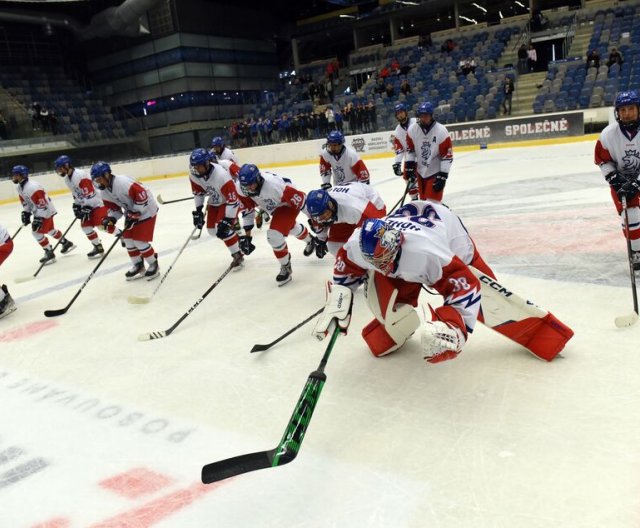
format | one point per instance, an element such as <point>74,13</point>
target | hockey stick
<point>400,202</point>
<point>260,348</point>
<point>165,202</point>
<point>632,318</point>
<point>289,446</point>
<point>164,333</point>
<point>62,311</point>
<point>43,264</point>
<point>133,299</point>
<point>16,233</point>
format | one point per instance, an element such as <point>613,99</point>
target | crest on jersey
<point>631,162</point>
<point>425,152</point>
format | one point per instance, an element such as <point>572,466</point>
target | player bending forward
<point>7,305</point>
<point>124,196</point>
<point>424,243</point>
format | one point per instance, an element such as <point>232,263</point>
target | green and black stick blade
<point>289,446</point>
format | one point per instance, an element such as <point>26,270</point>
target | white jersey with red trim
<point>82,189</point>
<point>125,195</point>
<point>275,192</point>
<point>400,139</point>
<point>346,167</point>
<point>4,234</point>
<point>218,185</point>
<point>436,251</point>
<point>34,199</point>
<point>227,155</point>
<point>352,200</point>
<point>430,148</point>
<point>618,150</point>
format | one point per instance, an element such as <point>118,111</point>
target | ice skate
<point>310,247</point>
<point>49,257</point>
<point>285,273</point>
<point>238,261</point>
<point>635,260</point>
<point>67,246</point>
<point>96,252</point>
<point>153,270</point>
<point>136,272</point>
<point>7,304</point>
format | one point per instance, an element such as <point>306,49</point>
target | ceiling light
<point>478,6</point>
<point>407,2</point>
<point>346,16</point>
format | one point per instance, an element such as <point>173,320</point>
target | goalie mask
<point>380,244</point>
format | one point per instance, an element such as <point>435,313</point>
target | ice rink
<point>98,429</point>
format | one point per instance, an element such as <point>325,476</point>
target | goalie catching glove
<point>440,339</point>
<point>337,311</point>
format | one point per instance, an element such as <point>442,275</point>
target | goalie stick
<point>289,446</point>
<point>62,311</point>
<point>629,319</point>
<point>260,348</point>
<point>165,202</point>
<point>164,333</point>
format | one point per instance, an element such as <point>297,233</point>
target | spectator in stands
<point>395,67</point>
<point>424,41</point>
<point>389,90</point>
<point>44,119</point>
<point>615,57</point>
<point>593,59</point>
<point>523,57</point>
<point>353,119</point>
<point>373,123</point>
<point>467,66</point>
<point>405,88</point>
<point>538,20</point>
<point>384,73</point>
<point>3,127</point>
<point>328,87</point>
<point>338,118</point>
<point>53,122</point>
<point>533,58</point>
<point>448,46</point>
<point>380,86</point>
<point>331,118</point>
<point>507,88</point>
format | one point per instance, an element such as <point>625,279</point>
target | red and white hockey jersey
<point>82,189</point>
<point>125,195</point>
<point>346,167</point>
<point>227,155</point>
<point>400,139</point>
<point>436,251</point>
<point>276,192</point>
<point>618,150</point>
<point>218,185</point>
<point>432,149</point>
<point>4,234</point>
<point>34,199</point>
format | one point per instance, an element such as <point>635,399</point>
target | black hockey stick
<point>287,450</point>
<point>165,202</point>
<point>260,348</point>
<point>164,333</point>
<point>62,311</point>
<point>632,318</point>
<point>43,264</point>
<point>400,202</point>
<point>16,233</point>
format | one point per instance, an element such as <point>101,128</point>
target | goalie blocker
<point>536,329</point>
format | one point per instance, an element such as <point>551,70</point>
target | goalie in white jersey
<point>7,304</point>
<point>341,161</point>
<point>617,153</point>
<point>424,243</point>
<point>88,206</point>
<point>336,212</point>
<point>36,202</point>
<point>400,147</point>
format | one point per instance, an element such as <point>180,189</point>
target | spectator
<point>467,66</point>
<point>331,118</point>
<point>538,21</point>
<point>384,72</point>
<point>405,88</point>
<point>395,67</point>
<point>424,41</point>
<point>448,46</point>
<point>523,57</point>
<point>53,122</point>
<point>389,90</point>
<point>380,87</point>
<point>533,58</point>
<point>507,89</point>
<point>328,86</point>
<point>615,57</point>
<point>593,59</point>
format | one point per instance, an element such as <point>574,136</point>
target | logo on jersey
<point>425,152</point>
<point>270,205</point>
<point>358,144</point>
<point>338,173</point>
<point>631,162</point>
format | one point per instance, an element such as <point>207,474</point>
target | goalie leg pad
<point>389,335</point>
<point>383,292</point>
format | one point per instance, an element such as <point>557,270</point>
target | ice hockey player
<point>336,212</point>
<point>36,202</point>
<point>213,181</point>
<point>429,154</point>
<point>7,304</point>
<point>618,155</point>
<point>280,199</point>
<point>425,243</point>
<point>341,161</point>
<point>123,196</point>
<point>87,203</point>
<point>222,152</point>
<point>400,147</point>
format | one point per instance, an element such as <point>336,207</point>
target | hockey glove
<point>440,179</point>
<point>37,223</point>
<point>630,190</point>
<point>325,186</point>
<point>86,213</point>
<point>337,311</point>
<point>321,248</point>
<point>397,169</point>
<point>25,218</point>
<point>616,180</point>
<point>198,217</point>
<point>131,220</point>
<point>108,223</point>
<point>225,228</point>
<point>77,210</point>
<point>245,245</point>
<point>410,171</point>
<point>440,341</point>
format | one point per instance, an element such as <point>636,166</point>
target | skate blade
<point>135,277</point>
<point>69,250</point>
<point>151,277</point>
<point>8,311</point>
<point>286,281</point>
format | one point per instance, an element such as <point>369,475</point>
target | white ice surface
<point>494,439</point>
